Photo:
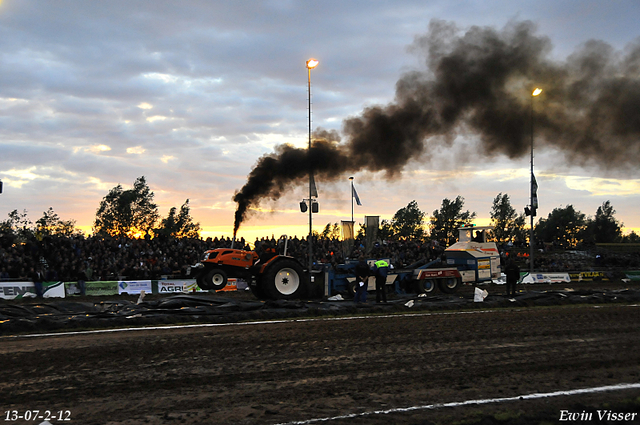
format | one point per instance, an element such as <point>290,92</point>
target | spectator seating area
<point>110,259</point>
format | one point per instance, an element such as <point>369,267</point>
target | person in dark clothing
<point>381,269</point>
<point>82,281</point>
<point>362,281</point>
<point>37,277</point>
<point>513,275</point>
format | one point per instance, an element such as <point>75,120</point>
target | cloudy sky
<point>191,94</point>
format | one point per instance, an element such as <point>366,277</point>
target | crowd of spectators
<point>571,261</point>
<point>333,251</point>
<point>65,258</point>
<point>103,258</point>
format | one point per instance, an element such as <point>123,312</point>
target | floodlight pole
<point>531,248</point>
<point>311,63</point>
<point>535,93</point>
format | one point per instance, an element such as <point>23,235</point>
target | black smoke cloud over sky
<point>477,83</point>
<point>193,94</point>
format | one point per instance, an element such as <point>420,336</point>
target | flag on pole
<point>355,195</point>
<point>347,230</point>
<point>314,189</point>
<point>534,191</point>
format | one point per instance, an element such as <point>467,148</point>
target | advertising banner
<point>134,286</point>
<point>546,278</point>
<point>71,288</point>
<point>17,290</point>
<point>102,288</point>
<point>232,285</point>
<point>633,275</point>
<point>588,276</point>
<point>484,268</point>
<point>176,286</point>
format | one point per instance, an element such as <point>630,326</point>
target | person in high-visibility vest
<point>380,270</point>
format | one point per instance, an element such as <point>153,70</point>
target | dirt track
<point>268,373</point>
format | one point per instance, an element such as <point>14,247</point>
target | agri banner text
<point>177,286</point>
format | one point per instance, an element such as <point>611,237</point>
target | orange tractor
<point>269,276</point>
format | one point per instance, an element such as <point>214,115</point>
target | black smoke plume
<point>479,81</point>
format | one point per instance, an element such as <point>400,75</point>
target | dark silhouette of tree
<point>178,225</point>
<point>408,222</point>
<point>331,231</point>
<point>520,232</point>
<point>129,212</point>
<point>50,224</point>
<point>326,231</point>
<point>604,227</point>
<point>385,230</point>
<point>632,237</point>
<point>503,219</point>
<point>564,227</point>
<point>445,222</point>
<point>16,229</point>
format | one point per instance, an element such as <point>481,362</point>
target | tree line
<point>564,227</point>
<point>129,213</point>
<point>133,213</point>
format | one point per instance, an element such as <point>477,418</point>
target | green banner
<point>102,288</point>
<point>18,290</point>
<point>633,274</point>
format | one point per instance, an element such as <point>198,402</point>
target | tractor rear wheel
<point>449,285</point>
<point>284,279</point>
<point>215,279</point>
<point>257,289</point>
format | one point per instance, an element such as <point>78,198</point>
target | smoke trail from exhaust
<point>478,81</point>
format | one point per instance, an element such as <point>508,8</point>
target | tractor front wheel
<point>215,279</point>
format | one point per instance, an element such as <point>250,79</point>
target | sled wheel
<point>284,279</point>
<point>426,286</point>
<point>352,287</point>
<point>449,285</point>
<point>215,279</point>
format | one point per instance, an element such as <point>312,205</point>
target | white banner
<point>546,278</point>
<point>177,286</point>
<point>134,286</point>
<point>17,290</point>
